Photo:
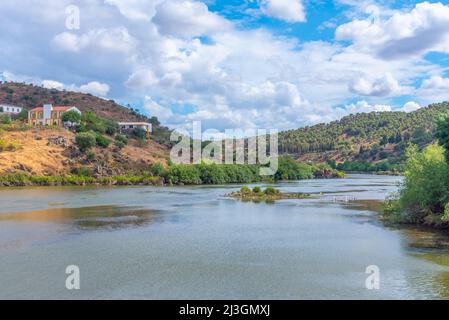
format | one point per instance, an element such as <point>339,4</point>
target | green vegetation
<point>102,141</point>
<point>257,189</point>
<point>364,166</point>
<point>424,194</point>
<point>71,116</point>
<point>5,119</point>
<point>23,115</point>
<point>85,140</point>
<point>269,194</point>
<point>288,169</point>
<point>22,179</point>
<point>369,137</point>
<point>8,145</point>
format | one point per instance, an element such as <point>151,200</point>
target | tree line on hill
<point>364,136</point>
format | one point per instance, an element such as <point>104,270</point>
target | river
<point>195,243</point>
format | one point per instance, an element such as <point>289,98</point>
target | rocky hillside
<point>51,152</point>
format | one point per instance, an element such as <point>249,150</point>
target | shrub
<point>245,190</point>
<point>122,138</point>
<point>139,133</point>
<point>158,170</point>
<point>119,144</point>
<point>80,128</point>
<point>82,171</point>
<point>271,191</point>
<point>102,141</point>
<point>111,126</point>
<point>257,190</point>
<point>91,155</point>
<point>8,146</point>
<point>23,115</point>
<point>5,119</point>
<point>85,140</point>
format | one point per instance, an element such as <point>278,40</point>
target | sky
<point>264,64</point>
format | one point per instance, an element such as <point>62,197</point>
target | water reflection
<point>85,218</point>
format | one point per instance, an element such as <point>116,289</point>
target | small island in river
<point>269,194</point>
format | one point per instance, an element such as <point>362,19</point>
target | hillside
<point>370,137</point>
<point>30,96</point>
<point>51,152</point>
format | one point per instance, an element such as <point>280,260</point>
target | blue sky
<point>234,64</point>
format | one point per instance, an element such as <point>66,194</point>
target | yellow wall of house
<point>36,119</point>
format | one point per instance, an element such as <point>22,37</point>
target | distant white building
<point>5,108</point>
<point>128,126</point>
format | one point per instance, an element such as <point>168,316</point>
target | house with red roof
<point>48,115</point>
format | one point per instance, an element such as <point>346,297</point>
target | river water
<point>195,243</point>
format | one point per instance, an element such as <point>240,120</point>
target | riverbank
<point>158,174</point>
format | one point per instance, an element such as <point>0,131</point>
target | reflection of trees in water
<point>98,217</point>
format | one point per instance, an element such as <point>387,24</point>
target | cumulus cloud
<point>95,88</point>
<point>153,108</point>
<point>384,86</point>
<point>178,52</point>
<point>135,9</point>
<point>142,79</point>
<point>403,34</point>
<point>411,106</point>
<point>436,82</point>
<point>364,106</point>
<point>288,10</point>
<point>115,40</point>
<point>187,19</point>
<point>51,84</point>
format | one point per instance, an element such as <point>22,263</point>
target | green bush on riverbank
<point>180,174</point>
<point>22,179</point>
<point>424,195</point>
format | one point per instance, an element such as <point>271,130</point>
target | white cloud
<point>411,106</point>
<point>237,75</point>
<point>436,82</point>
<point>135,9</point>
<point>188,19</point>
<point>95,88</point>
<point>142,79</point>
<point>114,40</point>
<point>153,109</point>
<point>51,84</point>
<point>387,85</point>
<point>288,10</point>
<point>403,34</point>
<point>364,106</point>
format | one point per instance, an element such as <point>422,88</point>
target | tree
<point>442,134</point>
<point>5,119</point>
<point>139,133</point>
<point>23,115</point>
<point>102,141</point>
<point>71,117</point>
<point>85,140</point>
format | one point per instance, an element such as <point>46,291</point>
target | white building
<point>10,109</point>
<point>128,126</point>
